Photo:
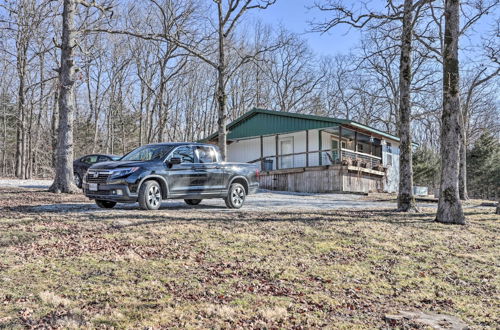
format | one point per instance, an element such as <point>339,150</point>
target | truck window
<point>185,153</point>
<point>90,159</point>
<point>206,155</point>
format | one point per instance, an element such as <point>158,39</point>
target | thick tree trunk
<point>449,206</point>
<point>406,201</point>
<point>63,181</point>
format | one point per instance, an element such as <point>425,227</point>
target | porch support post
<point>320,147</point>
<point>261,152</point>
<point>356,141</point>
<point>307,148</point>
<point>277,152</point>
<point>340,144</point>
<point>341,167</point>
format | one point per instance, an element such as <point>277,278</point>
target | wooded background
<point>136,87</point>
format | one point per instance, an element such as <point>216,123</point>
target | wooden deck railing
<point>314,158</point>
<point>370,159</point>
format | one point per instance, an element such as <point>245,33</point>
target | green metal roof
<point>257,122</point>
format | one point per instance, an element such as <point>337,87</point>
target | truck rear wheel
<point>235,196</point>
<point>105,204</point>
<point>192,201</point>
<point>150,195</point>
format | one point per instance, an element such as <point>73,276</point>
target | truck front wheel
<point>150,195</point>
<point>235,196</point>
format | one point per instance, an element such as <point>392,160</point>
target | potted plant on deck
<point>347,161</point>
<point>356,162</point>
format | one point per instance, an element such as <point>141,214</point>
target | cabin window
<point>335,149</point>
<point>388,150</point>
<point>286,149</point>
<point>377,147</point>
<point>348,137</point>
<point>364,143</point>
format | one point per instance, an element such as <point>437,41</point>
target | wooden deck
<point>323,179</point>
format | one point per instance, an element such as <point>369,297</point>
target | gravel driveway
<point>262,201</point>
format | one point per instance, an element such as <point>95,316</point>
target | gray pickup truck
<point>152,173</point>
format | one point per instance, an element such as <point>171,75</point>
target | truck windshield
<point>146,153</point>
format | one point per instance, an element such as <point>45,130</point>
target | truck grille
<point>101,177</point>
<point>99,192</point>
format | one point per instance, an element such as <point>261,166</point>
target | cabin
<point>314,154</point>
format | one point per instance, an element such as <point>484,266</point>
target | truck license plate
<point>93,186</point>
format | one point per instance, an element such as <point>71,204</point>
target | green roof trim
<point>257,122</point>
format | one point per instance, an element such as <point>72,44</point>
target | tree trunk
<point>4,149</point>
<point>55,126</point>
<point>406,201</point>
<point>21,121</point>
<point>462,177</point>
<point>221,90</point>
<point>63,181</point>
<point>498,206</point>
<point>449,206</point>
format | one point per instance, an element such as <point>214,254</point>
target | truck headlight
<point>123,171</point>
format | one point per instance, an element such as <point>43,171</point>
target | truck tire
<point>192,201</point>
<point>235,196</point>
<point>105,204</point>
<point>150,195</point>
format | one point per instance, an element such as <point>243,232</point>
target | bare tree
<point>482,75</point>
<point>376,20</point>
<point>449,206</point>
<point>292,73</point>
<point>406,201</point>
<point>432,37</point>
<point>64,182</point>
<point>228,15</point>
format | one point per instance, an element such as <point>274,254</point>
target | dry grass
<point>211,268</point>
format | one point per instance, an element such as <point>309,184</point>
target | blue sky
<point>294,15</point>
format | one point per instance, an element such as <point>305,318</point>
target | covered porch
<point>333,145</point>
<point>339,159</point>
